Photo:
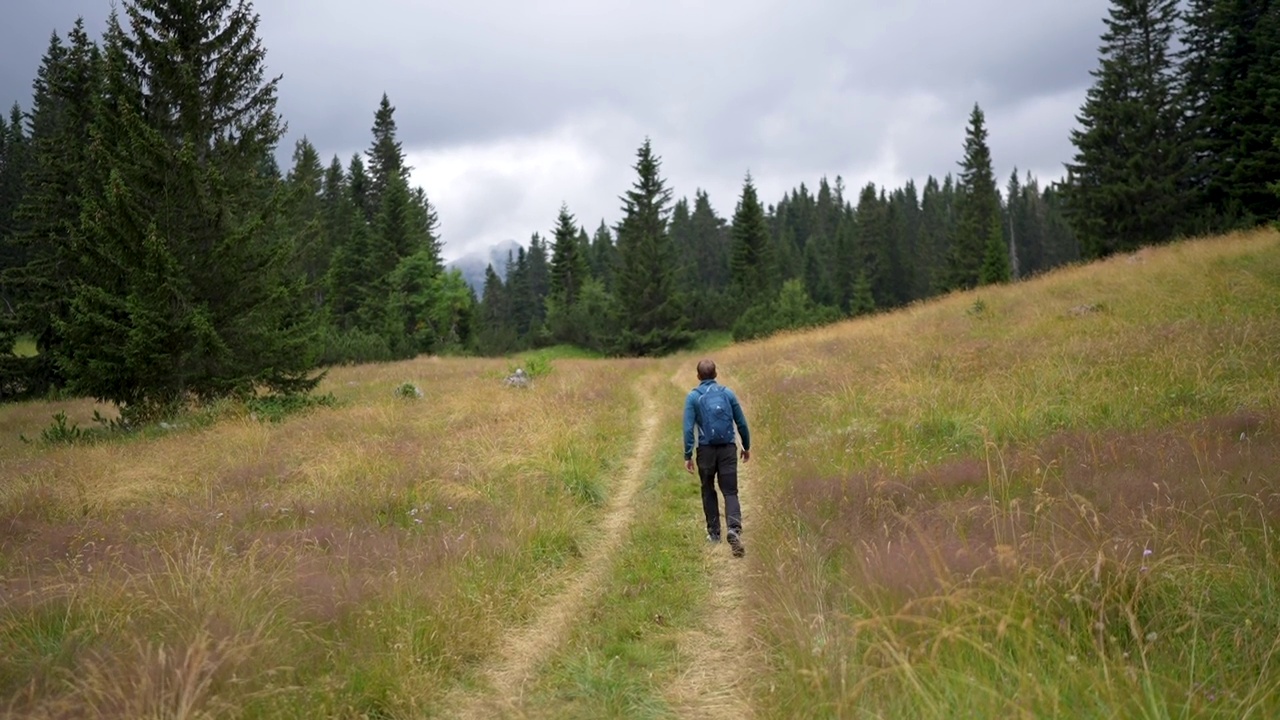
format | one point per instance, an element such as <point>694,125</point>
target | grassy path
<point>528,647</point>
<point>711,682</point>
<point>651,624</point>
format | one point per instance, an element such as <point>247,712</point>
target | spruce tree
<point>358,188</point>
<point>494,333</point>
<point>603,257</point>
<point>48,218</point>
<point>652,321</point>
<point>15,372</point>
<point>979,237</point>
<point>386,156</point>
<point>1126,183</point>
<point>934,243</point>
<point>752,262</point>
<point>195,299</point>
<point>15,157</point>
<point>1231,93</point>
<point>307,225</point>
<point>568,274</point>
<point>519,295</point>
<point>568,266</point>
<point>539,270</point>
<point>706,283</point>
<point>869,239</point>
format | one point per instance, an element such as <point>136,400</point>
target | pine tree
<point>603,257</point>
<point>307,225</point>
<point>48,217</point>
<point>15,372</point>
<point>568,275</point>
<point>15,156</point>
<point>869,234</point>
<point>495,334</point>
<point>1127,181</point>
<point>707,280</point>
<point>386,156</point>
<point>194,299</point>
<point>358,188</point>
<point>519,295</point>
<point>862,301</point>
<point>752,261</point>
<point>568,266</point>
<point>907,216</point>
<point>652,321</point>
<point>1230,93</point>
<point>934,246</point>
<point>979,235</point>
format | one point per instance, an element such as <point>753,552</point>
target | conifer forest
<point>155,250</point>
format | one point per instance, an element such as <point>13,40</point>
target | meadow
<point>1056,498</point>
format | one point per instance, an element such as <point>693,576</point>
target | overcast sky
<point>507,108</point>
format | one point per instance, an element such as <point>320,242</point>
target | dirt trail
<point>529,647</point>
<point>712,683</point>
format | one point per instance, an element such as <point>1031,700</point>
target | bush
<point>408,391</point>
<point>354,346</point>
<point>275,408</point>
<point>60,432</point>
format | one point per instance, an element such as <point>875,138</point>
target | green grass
<point>558,352</point>
<point>25,347</point>
<point>623,654</point>
<point>1030,511</point>
<point>711,341</point>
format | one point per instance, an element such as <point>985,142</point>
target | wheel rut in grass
<point>711,681</point>
<point>528,647</point>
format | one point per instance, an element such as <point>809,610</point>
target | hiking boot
<point>735,542</point>
<point>712,539</point>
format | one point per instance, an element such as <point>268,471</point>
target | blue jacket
<point>691,419</point>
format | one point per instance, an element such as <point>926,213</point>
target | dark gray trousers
<point>720,463</point>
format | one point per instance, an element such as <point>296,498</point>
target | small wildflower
<point>1151,637</point>
<point>417,521</point>
<point>1146,552</point>
<point>1144,568</point>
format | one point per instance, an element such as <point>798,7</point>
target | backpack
<point>717,415</point>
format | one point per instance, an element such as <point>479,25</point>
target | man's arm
<point>688,426</point>
<point>741,420</point>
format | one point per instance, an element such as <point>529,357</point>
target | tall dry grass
<point>1052,499</point>
<point>350,561</point>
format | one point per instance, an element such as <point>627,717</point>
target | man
<point>714,410</point>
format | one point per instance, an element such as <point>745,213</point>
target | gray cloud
<point>564,92</point>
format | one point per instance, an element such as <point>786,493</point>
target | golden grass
<point>992,504</point>
<point>216,565</point>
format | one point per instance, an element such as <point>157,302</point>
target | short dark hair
<point>706,370</point>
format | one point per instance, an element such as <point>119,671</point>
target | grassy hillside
<point>1054,499</point>
<point>1057,499</point>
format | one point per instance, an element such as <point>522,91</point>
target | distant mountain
<point>472,265</point>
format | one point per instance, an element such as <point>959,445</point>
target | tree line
<point>812,257</point>
<point>156,255</point>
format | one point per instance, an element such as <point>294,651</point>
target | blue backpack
<point>717,415</point>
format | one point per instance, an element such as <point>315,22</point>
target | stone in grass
<point>1086,309</point>
<point>519,378</point>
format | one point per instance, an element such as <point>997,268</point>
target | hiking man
<point>714,410</point>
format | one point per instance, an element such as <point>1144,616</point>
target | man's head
<point>706,370</point>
